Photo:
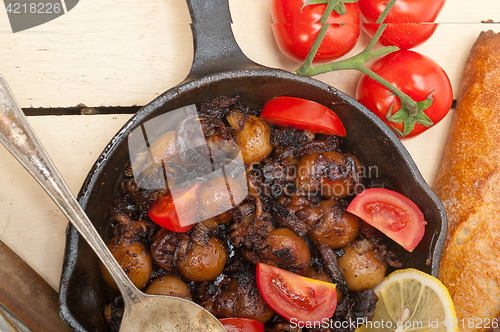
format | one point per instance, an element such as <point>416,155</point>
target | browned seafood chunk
<point>164,247</point>
<point>286,218</point>
<point>283,249</point>
<point>248,230</point>
<point>331,174</point>
<point>239,297</point>
<point>127,228</point>
<point>142,197</point>
<point>332,266</point>
<point>203,231</point>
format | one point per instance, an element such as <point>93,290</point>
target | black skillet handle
<point>215,48</point>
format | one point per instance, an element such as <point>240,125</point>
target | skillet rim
<point>73,238</point>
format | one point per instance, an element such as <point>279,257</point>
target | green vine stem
<point>412,108</point>
<point>321,34</point>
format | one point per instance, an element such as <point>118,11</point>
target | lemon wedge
<point>411,300</point>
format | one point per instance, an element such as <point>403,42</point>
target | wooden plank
<point>30,223</point>
<point>122,53</point>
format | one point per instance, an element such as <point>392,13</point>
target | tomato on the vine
<point>410,22</point>
<point>416,75</point>
<point>296,27</point>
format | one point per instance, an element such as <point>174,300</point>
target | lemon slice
<point>411,300</point>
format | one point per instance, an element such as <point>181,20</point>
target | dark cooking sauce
<point>289,218</point>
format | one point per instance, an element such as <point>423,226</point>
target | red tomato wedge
<point>165,211</point>
<point>392,213</point>
<point>302,114</point>
<point>299,299</point>
<point>241,325</point>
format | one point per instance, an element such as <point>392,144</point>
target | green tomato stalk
<point>411,112</point>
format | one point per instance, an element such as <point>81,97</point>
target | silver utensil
<point>142,312</point>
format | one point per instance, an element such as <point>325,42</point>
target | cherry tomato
<point>241,325</point>
<point>292,296</point>
<point>392,213</point>
<point>295,29</point>
<point>302,114</point>
<point>414,74</point>
<point>409,21</point>
<point>168,212</point>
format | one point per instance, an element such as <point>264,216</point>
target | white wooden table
<point>126,52</point>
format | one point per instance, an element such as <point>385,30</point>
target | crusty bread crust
<point>468,183</point>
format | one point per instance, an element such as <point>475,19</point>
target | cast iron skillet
<point>220,68</point>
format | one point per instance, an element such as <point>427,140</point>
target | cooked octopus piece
<point>283,249</point>
<point>286,218</point>
<point>203,231</point>
<point>239,297</point>
<point>248,230</point>
<point>332,266</point>
<point>164,247</point>
<point>331,174</point>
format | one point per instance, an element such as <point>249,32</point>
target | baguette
<point>468,183</point>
